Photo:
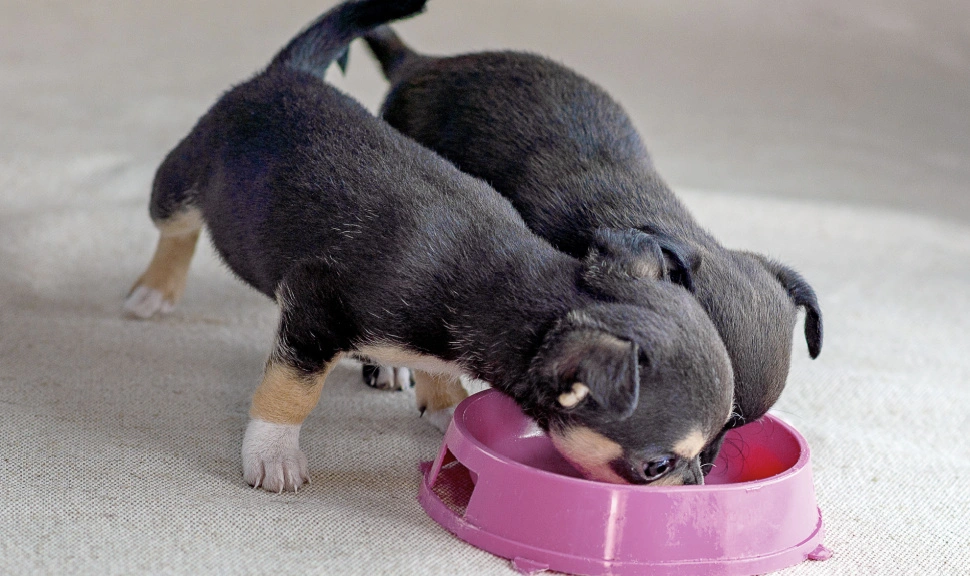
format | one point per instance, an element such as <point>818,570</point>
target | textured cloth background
<point>119,440</point>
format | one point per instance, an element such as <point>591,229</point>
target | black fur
<point>366,238</point>
<point>569,159</point>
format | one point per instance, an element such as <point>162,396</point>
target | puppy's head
<point>621,263</point>
<point>754,303</point>
<point>633,388</point>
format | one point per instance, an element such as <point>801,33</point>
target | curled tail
<point>325,40</point>
<point>389,50</point>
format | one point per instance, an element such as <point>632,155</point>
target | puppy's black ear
<point>343,60</point>
<point>639,254</point>
<point>600,365</point>
<point>801,294</point>
<point>681,261</point>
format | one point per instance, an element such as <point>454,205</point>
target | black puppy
<point>569,159</point>
<point>373,245</point>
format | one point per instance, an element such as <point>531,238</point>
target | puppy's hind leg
<point>162,284</point>
<point>437,395</point>
<point>179,224</point>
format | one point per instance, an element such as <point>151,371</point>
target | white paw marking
<point>440,419</point>
<point>392,378</point>
<point>403,378</point>
<point>271,456</point>
<point>144,302</point>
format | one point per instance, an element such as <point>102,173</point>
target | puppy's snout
<point>694,475</point>
<point>710,452</point>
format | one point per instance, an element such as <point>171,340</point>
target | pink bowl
<point>500,485</point>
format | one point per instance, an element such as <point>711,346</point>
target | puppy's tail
<point>389,50</point>
<point>325,40</point>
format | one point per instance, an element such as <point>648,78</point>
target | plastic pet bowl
<point>499,484</point>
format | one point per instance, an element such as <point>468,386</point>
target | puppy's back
<point>293,170</point>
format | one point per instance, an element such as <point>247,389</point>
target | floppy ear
<point>642,254</point>
<point>599,365</point>
<point>343,59</point>
<point>681,261</point>
<point>801,294</point>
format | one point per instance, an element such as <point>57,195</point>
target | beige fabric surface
<point>119,439</point>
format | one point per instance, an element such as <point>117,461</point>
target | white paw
<point>272,458</point>
<point>144,302</point>
<point>440,419</point>
<point>387,377</point>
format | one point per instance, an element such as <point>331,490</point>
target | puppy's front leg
<point>437,395</point>
<point>271,454</point>
<point>291,386</point>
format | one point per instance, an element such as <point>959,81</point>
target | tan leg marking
<point>285,396</point>
<point>435,392</point>
<point>169,268</point>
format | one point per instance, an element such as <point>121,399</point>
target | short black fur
<point>570,160</point>
<point>367,239</point>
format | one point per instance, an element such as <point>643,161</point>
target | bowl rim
<point>748,485</point>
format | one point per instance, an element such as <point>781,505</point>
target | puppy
<point>372,245</point>
<point>570,160</point>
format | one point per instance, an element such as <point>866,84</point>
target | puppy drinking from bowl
<point>569,159</point>
<point>373,245</point>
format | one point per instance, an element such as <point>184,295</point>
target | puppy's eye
<point>654,470</point>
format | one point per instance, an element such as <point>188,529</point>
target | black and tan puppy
<point>372,245</point>
<point>568,157</point>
